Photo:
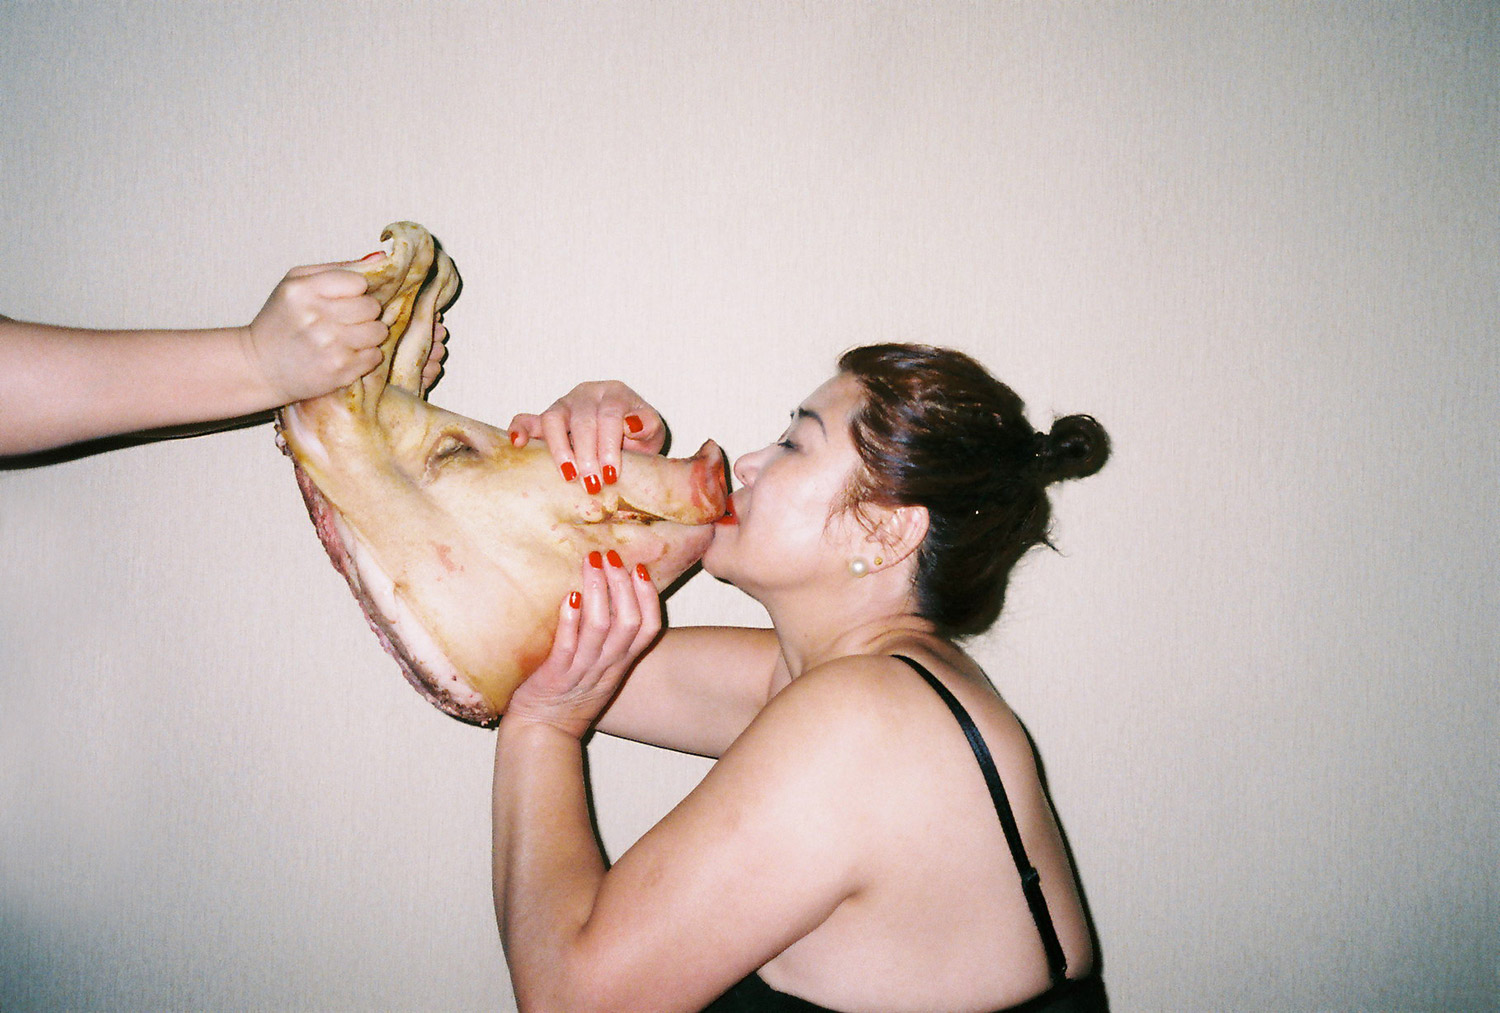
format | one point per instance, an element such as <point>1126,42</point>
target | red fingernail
<point>611,476</point>
<point>591,483</point>
<point>569,472</point>
<point>642,572</point>
<point>596,560</point>
<point>515,438</point>
<point>634,423</point>
<point>575,600</point>
<point>372,256</point>
<point>614,558</point>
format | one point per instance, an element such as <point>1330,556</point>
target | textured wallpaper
<point>1258,241</point>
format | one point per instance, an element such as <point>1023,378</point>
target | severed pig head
<point>458,546</point>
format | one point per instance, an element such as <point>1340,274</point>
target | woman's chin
<point>711,561</point>
<point>718,557</point>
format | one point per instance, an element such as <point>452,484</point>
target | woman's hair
<point>937,430</point>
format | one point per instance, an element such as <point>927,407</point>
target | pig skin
<point>458,546</point>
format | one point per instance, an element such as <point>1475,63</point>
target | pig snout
<point>689,491</point>
<point>709,482</point>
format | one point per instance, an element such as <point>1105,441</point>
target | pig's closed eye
<point>451,447</point>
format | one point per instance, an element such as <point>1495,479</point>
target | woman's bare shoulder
<point>865,704</point>
<point>880,700</point>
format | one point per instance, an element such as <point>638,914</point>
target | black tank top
<point>1086,995</point>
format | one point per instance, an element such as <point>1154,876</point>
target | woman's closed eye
<point>785,441</point>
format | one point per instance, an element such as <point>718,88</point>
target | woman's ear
<point>900,533</point>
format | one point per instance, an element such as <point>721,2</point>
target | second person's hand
<point>317,332</point>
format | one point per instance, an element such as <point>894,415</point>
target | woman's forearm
<point>547,864</point>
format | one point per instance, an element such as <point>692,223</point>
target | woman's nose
<point>746,468</point>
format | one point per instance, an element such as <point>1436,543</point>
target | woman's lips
<point>729,518</point>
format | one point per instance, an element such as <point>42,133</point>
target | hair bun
<point>1076,447</point>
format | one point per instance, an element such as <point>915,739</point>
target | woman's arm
<point>755,858</point>
<point>317,332</point>
<point>747,865</point>
<point>697,689</point>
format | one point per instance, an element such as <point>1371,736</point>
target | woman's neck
<point>823,631</point>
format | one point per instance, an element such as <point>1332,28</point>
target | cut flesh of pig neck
<point>458,546</point>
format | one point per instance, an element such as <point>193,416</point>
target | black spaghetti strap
<point>1031,880</point>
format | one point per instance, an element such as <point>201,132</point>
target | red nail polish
<point>642,572</point>
<point>591,483</point>
<point>372,256</point>
<point>575,600</point>
<point>611,476</point>
<point>569,472</point>
<point>596,560</point>
<point>614,558</point>
<point>634,423</point>
<point>515,438</point>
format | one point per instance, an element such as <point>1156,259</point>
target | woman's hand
<point>586,429</point>
<point>601,631</point>
<point>318,331</point>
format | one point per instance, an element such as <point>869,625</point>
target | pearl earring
<point>858,567</point>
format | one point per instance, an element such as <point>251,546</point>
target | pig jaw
<point>422,661</point>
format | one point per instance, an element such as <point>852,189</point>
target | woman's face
<point>789,524</point>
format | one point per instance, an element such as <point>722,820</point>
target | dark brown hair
<point>936,430</point>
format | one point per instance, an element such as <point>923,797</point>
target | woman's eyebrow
<point>808,413</point>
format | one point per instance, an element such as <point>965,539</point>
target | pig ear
<point>397,285</point>
<point>386,274</point>
<point>413,347</point>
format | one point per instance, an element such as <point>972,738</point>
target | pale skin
<point>844,842</point>
<point>318,331</point>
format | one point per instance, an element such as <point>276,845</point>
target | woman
<point>844,853</point>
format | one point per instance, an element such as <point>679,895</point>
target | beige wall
<point>1258,241</point>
